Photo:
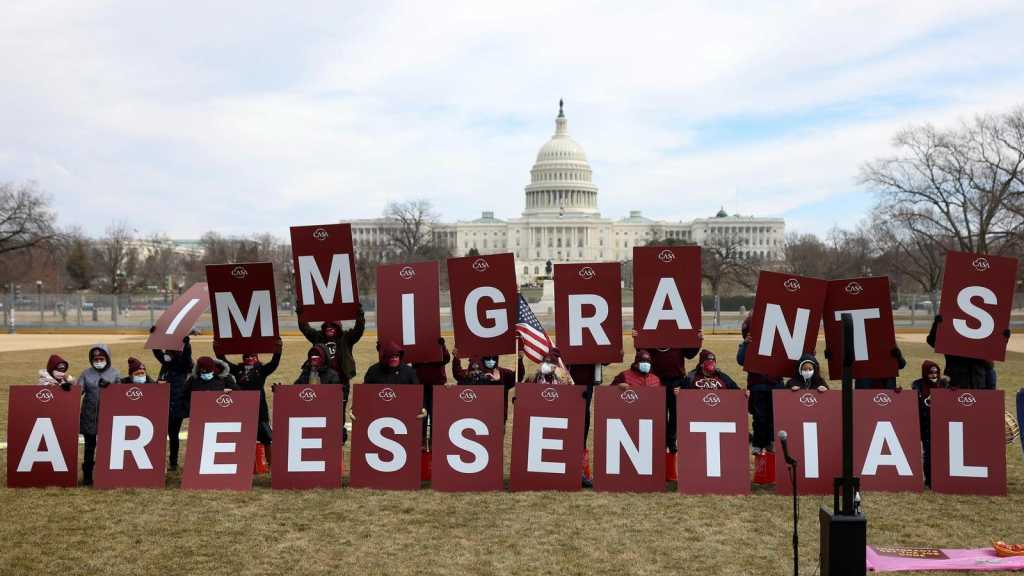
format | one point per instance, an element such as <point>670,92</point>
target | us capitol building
<point>561,222</point>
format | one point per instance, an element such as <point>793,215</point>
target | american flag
<point>535,340</point>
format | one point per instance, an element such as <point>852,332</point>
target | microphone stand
<point>791,464</point>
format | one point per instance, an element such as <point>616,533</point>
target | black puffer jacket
<point>221,380</point>
<point>254,378</point>
<point>175,370</point>
<point>962,372</point>
<point>381,373</point>
<point>815,381</point>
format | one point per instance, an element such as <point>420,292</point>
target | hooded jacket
<point>339,348</point>
<point>381,373</point>
<point>962,372</point>
<point>815,381</point>
<point>254,378</point>
<point>175,372</point>
<point>222,379</point>
<point>325,373</point>
<point>90,380</point>
<point>46,374</point>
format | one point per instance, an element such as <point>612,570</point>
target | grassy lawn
<point>81,531</point>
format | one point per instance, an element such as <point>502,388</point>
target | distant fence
<point>139,312</point>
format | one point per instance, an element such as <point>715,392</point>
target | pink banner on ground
<point>883,559</point>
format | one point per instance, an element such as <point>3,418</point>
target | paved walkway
<point>18,342</point>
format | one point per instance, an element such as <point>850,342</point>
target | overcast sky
<point>181,117</point>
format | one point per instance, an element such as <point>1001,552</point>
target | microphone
<point>784,439</point>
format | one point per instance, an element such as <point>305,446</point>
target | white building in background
<point>561,221</point>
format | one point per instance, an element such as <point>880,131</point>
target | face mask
<point>167,358</point>
<point>644,367</point>
<point>140,379</point>
<point>394,361</point>
<point>59,375</point>
<point>316,362</point>
<point>206,376</point>
<point>709,366</point>
<point>806,374</point>
<point>330,333</point>
<point>933,377</point>
<point>99,364</point>
<point>490,364</point>
<point>546,368</point>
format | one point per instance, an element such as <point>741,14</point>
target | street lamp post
<point>39,299</point>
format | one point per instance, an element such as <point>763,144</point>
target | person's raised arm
<point>275,360</point>
<point>931,332</point>
<point>356,332</point>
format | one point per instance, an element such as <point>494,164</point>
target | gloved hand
<point>828,354</point>
<point>103,383</point>
<point>152,329</point>
<point>65,386</point>
<point>1006,334</point>
<point>938,318</point>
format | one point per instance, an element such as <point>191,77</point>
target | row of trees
<point>958,188</point>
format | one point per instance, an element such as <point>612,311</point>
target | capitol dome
<point>561,181</point>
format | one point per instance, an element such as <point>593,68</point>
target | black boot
<point>87,474</point>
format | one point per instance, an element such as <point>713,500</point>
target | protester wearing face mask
<point>56,373</point>
<point>808,375</point>
<point>759,399</point>
<point>317,368</point>
<point>175,369</point>
<point>707,376</point>
<point>550,371</point>
<point>137,373</point>
<point>930,379</point>
<point>99,374</point>
<point>486,370</point>
<point>638,374</point>
<point>390,369</point>
<point>252,374</point>
<point>210,375</point>
<point>338,343</point>
<point>431,374</point>
<point>669,365</point>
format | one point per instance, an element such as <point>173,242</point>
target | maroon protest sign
<point>221,441</point>
<point>547,437</point>
<point>42,436</point>
<point>408,309</point>
<point>307,437</point>
<point>468,443</point>
<point>386,437</point>
<point>325,279</point>
<point>813,422</point>
<point>711,432</point>
<point>177,321</point>
<point>629,432</point>
<point>588,312</point>
<point>868,303</point>
<point>977,295</point>
<point>244,305</point>
<point>483,298</point>
<point>887,440</point>
<point>968,442</point>
<point>666,296</point>
<point>131,440</point>
<point>787,312</point>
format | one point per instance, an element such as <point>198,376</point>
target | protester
<point>317,368</point>
<point>759,400</point>
<point>338,343</point>
<point>669,365</point>
<point>431,374</point>
<point>808,375</point>
<point>137,373</point>
<point>175,369</point>
<point>100,374</point>
<point>963,372</point>
<point>252,374</point>
<point>56,373</point>
<point>486,370</point>
<point>390,369</point>
<point>881,383</point>
<point>638,374</point>
<point>707,376</point>
<point>550,370</point>
<point>588,376</point>
<point>930,379</point>
<point>210,375</point>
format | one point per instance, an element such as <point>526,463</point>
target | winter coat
<point>221,380</point>
<point>882,383</point>
<point>254,378</point>
<point>962,372</point>
<point>176,372</point>
<point>756,382</point>
<point>697,380</point>
<point>381,373</point>
<point>433,373</point>
<point>670,363</point>
<point>506,377</point>
<point>45,379</point>
<point>636,378</point>
<point>815,381</point>
<point>340,347</point>
<point>89,380</point>
<point>128,380</point>
<point>326,373</point>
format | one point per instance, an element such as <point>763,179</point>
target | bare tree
<point>26,219</point>
<point>724,260</point>
<point>113,254</point>
<point>843,254</point>
<point>906,255</point>
<point>960,188</point>
<point>410,236</point>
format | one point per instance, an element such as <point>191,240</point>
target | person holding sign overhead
<point>338,343</point>
<point>175,368</point>
<point>252,374</point>
<point>963,372</point>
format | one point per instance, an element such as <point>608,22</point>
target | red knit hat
<point>206,364</point>
<point>134,365</point>
<point>706,354</point>
<point>55,363</point>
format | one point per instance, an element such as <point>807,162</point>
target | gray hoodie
<point>89,379</point>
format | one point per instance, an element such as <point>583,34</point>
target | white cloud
<point>253,117</point>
